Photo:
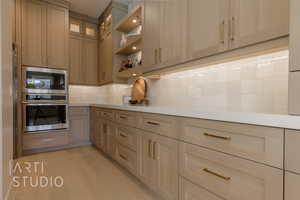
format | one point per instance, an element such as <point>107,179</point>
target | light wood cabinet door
<point>76,70</point>
<point>90,62</point>
<point>207,26</point>
<point>294,38</point>
<point>165,154</point>
<point>292,182</point>
<point>172,48</point>
<point>254,21</point>
<point>79,126</point>
<point>34,22</point>
<point>106,60</point>
<point>147,168</point>
<point>57,37</point>
<point>151,37</point>
<point>292,141</point>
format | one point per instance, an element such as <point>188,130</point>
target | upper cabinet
<point>83,50</point>
<point>57,37</point>
<point>207,24</point>
<point>45,35</point>
<point>254,21</point>
<point>178,31</point>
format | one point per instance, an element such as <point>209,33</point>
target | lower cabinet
<point>230,177</point>
<point>292,183</point>
<point>79,126</point>
<point>159,164</point>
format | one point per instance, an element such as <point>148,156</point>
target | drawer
<point>257,143</point>
<point>190,191</point>
<point>292,182</point>
<point>160,124</point>
<point>127,137</point>
<point>292,148</point>
<point>127,118</point>
<point>108,114</point>
<point>127,158</point>
<point>78,111</point>
<point>230,177</point>
<point>95,113</point>
<point>45,140</point>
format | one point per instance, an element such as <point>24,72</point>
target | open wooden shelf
<point>130,48</point>
<point>127,24</point>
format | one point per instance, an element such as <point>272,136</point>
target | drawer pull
<point>123,157</point>
<point>154,150</point>
<point>153,123</point>
<point>48,140</point>
<point>122,117</point>
<point>217,136</point>
<point>149,148</point>
<point>122,135</point>
<point>216,174</point>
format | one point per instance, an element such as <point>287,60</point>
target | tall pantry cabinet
<point>45,34</point>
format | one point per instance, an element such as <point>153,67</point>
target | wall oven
<point>45,116</point>
<point>45,81</point>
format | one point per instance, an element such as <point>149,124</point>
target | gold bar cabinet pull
<point>217,136</point>
<point>217,175</point>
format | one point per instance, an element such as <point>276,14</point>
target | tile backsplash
<point>257,84</point>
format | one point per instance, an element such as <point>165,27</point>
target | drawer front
<point>163,125</point>
<point>127,118</point>
<point>292,182</point>
<point>292,147</point>
<point>127,158</point>
<point>108,114</point>
<point>261,144</point>
<point>230,177</point>
<point>190,191</point>
<point>44,140</point>
<point>127,137</point>
<point>78,111</point>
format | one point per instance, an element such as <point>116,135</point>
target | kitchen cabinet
<point>292,182</point>
<point>57,37</point>
<point>294,39</point>
<point>34,33</point>
<point>254,21</point>
<point>44,35</point>
<point>206,27</point>
<point>76,69</point>
<point>83,53</point>
<point>106,60</point>
<point>90,61</point>
<point>159,169</point>
<point>151,34</point>
<point>79,126</point>
<point>292,141</point>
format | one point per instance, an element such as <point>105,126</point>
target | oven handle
<point>45,104</point>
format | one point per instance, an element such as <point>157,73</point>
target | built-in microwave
<point>44,80</point>
<point>45,116</point>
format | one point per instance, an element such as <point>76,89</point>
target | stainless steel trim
<point>47,70</point>
<point>44,91</point>
<point>25,101</point>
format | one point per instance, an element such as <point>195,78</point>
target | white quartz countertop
<point>271,120</point>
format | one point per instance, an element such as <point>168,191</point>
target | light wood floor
<point>87,175</point>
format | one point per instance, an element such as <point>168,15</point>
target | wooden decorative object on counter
<point>139,91</point>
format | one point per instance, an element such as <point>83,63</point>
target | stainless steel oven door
<point>43,117</point>
<point>44,80</point>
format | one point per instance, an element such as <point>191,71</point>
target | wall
<point>258,84</point>
<point>6,109</point>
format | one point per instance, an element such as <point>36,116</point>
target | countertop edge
<point>269,120</point>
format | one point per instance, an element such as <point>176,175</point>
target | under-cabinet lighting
<point>134,21</point>
<point>134,47</point>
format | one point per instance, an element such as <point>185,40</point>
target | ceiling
<point>92,8</point>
